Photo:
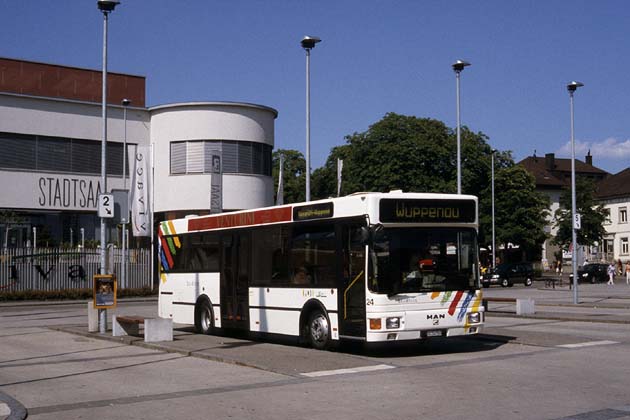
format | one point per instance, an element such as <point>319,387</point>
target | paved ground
<point>104,377</point>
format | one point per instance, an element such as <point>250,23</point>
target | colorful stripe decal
<point>168,245</point>
<point>175,238</point>
<point>446,297</point>
<point>457,298</point>
<point>464,308</point>
<point>453,306</point>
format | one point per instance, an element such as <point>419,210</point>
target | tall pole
<point>102,313</point>
<point>104,139</point>
<point>308,43</point>
<point>494,255</point>
<point>571,87</point>
<point>123,274</point>
<point>308,124</point>
<point>106,7</point>
<point>458,66</point>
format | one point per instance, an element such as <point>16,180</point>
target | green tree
<point>502,160</point>
<point>294,175</point>
<point>593,216</point>
<point>408,153</point>
<point>520,211</point>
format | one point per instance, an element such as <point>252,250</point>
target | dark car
<point>507,274</point>
<point>592,273</point>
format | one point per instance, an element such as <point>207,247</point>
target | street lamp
<point>123,277</point>
<point>571,87</point>
<point>494,255</point>
<point>308,43</point>
<point>458,66</point>
<point>106,7</point>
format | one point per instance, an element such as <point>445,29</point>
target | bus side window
<point>270,260</point>
<point>314,247</point>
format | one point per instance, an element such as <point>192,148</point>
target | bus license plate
<point>435,333</point>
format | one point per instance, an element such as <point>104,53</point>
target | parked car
<point>507,274</point>
<point>592,273</point>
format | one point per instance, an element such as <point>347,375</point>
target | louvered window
<point>57,154</point>
<point>178,157</point>
<point>194,157</point>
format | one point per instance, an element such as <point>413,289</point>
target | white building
<point>50,136</point>
<point>614,194</point>
<point>552,176</point>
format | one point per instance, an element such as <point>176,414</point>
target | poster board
<point>104,291</point>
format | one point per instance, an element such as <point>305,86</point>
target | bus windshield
<point>420,260</point>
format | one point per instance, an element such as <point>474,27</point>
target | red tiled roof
<point>560,175</point>
<point>617,185</point>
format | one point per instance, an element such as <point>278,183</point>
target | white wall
<point>209,121</point>
<point>73,119</point>
<point>62,118</point>
<point>615,228</point>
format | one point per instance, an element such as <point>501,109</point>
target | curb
<point>17,410</point>
<point>139,342</point>
<point>554,317</point>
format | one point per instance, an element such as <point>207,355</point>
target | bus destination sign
<point>313,211</point>
<point>427,211</point>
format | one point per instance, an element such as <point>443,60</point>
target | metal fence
<point>58,268</point>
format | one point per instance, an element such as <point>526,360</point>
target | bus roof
<point>357,204</point>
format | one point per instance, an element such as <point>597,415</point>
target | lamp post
<point>458,66</point>
<point>106,7</point>
<point>308,43</point>
<point>123,274</point>
<point>494,255</point>
<point>571,87</point>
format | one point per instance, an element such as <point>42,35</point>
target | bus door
<point>235,280</point>
<point>352,292</point>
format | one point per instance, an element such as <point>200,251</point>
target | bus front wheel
<point>204,321</point>
<point>318,330</point>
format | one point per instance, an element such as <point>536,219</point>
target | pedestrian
<point>628,272</point>
<point>611,274</point>
<point>619,267</point>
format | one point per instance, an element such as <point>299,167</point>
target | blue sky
<point>376,56</point>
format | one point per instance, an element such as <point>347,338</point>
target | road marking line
<point>588,344</point>
<point>346,371</point>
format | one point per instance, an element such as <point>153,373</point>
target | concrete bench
<point>155,329</point>
<point>523,306</point>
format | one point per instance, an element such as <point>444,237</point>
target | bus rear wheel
<point>204,321</point>
<point>318,331</point>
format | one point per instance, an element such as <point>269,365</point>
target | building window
<point>607,220</point>
<point>238,157</point>
<point>623,215</point>
<point>624,246</point>
<point>57,154</point>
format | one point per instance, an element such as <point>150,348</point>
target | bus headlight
<point>474,317</point>
<point>392,323</point>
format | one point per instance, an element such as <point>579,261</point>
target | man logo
<point>436,318</point>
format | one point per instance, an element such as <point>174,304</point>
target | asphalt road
<point>567,361</point>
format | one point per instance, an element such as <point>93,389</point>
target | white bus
<point>375,267</point>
